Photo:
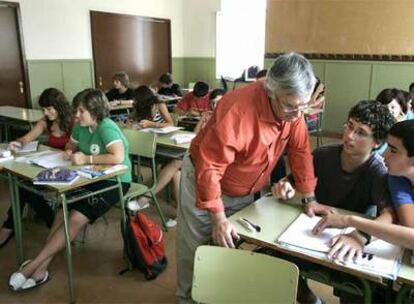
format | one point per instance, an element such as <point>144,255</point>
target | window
<point>240,36</point>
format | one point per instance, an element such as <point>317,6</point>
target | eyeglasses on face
<point>360,133</point>
<point>287,108</point>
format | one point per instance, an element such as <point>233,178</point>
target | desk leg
<point>367,291</point>
<point>121,200</point>
<point>68,248</point>
<point>402,294</point>
<point>17,218</point>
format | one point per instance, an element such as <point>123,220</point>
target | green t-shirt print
<point>95,143</point>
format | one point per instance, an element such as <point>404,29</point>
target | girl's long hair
<point>52,97</point>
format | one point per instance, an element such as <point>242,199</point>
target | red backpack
<point>144,245</point>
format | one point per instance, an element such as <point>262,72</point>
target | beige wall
<point>60,29</point>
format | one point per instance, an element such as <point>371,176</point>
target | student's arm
<point>401,193</point>
<point>115,155</point>
<point>164,114</point>
<point>392,233</point>
<point>182,107</point>
<point>34,133</point>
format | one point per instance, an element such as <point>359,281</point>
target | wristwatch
<point>366,236</point>
<point>308,200</point>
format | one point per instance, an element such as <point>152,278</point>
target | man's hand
<point>346,247</point>
<point>223,232</point>
<point>331,220</point>
<point>315,208</point>
<point>283,189</point>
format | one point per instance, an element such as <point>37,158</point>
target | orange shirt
<point>240,145</point>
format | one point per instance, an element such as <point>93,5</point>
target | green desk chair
<point>142,144</point>
<point>223,275</point>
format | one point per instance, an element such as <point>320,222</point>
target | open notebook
<point>29,147</point>
<point>380,258</point>
<point>164,130</point>
<point>46,159</point>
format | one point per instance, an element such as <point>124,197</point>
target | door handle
<point>100,81</point>
<point>21,87</point>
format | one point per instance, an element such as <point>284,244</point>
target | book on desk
<point>95,171</point>
<point>379,258</point>
<point>57,176</point>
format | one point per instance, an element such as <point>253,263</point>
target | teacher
<point>233,156</point>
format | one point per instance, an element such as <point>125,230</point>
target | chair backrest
<point>141,144</point>
<point>223,275</point>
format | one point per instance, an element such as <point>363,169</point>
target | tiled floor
<point>96,267</point>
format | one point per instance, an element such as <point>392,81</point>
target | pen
<point>255,226</point>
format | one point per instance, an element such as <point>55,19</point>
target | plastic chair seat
<point>136,189</point>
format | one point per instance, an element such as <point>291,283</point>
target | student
<point>120,90</point>
<point>57,123</point>
<point>195,102</point>
<point>215,96</point>
<point>349,176</point>
<point>95,140</point>
<point>149,112</point>
<point>399,159</point>
<point>168,87</point>
<point>395,100</point>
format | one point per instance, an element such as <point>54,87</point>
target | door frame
<point>25,72</point>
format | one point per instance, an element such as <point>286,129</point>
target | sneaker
<point>139,204</point>
<point>171,223</point>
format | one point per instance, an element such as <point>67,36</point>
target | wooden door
<point>140,46</point>
<point>14,85</point>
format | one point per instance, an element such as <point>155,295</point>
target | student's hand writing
<point>315,208</point>
<point>79,158</point>
<point>194,113</point>
<point>14,146</point>
<point>346,247</point>
<point>283,189</point>
<point>331,220</point>
<point>223,232</point>
<point>145,123</point>
<point>67,154</point>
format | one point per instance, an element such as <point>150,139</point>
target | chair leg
<point>157,205</point>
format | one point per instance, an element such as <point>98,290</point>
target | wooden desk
<point>274,217</point>
<point>22,175</point>
<point>10,115</point>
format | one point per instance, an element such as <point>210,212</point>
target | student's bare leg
<point>176,187</point>
<point>54,244</point>
<point>167,173</point>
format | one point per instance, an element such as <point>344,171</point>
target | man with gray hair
<point>233,156</point>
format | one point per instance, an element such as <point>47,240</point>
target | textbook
<point>96,171</point>
<point>56,177</point>
<point>379,258</point>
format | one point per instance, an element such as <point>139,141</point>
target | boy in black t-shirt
<point>168,87</point>
<point>120,91</point>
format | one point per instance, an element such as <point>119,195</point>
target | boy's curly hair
<point>375,115</point>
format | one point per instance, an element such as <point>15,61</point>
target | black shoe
<point>7,240</point>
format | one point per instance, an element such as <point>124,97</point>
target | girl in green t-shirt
<point>95,140</point>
